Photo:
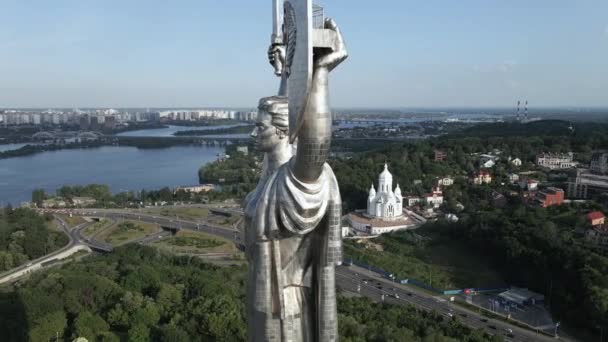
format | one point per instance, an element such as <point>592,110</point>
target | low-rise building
<point>481,177</point>
<point>522,296</point>
<point>434,198</point>
<point>243,149</point>
<point>197,188</point>
<point>54,203</point>
<point>488,160</point>
<point>83,201</point>
<point>513,178</point>
<point>488,164</point>
<point>550,196</point>
<point>596,218</point>
<point>516,162</point>
<point>556,161</point>
<point>445,181</point>
<point>440,155</point>
<point>363,223</point>
<point>412,200</point>
<point>528,184</point>
<point>451,218</point>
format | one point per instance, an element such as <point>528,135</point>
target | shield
<point>298,36</point>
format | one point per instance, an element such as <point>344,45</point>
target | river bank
<point>122,168</point>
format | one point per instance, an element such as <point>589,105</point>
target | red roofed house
<point>596,218</point>
<point>550,196</point>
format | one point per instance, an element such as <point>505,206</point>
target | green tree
<point>89,325</point>
<point>139,333</point>
<point>38,196</point>
<point>48,327</point>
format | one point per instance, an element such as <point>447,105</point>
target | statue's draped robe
<point>293,242</point>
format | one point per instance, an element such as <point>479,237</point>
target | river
<point>121,168</point>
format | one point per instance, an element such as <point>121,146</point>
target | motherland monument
<point>292,219</point>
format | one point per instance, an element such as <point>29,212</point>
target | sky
<point>212,53</point>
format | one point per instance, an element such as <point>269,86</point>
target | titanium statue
<point>292,219</point>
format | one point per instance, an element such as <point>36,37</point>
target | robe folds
<point>293,243</point>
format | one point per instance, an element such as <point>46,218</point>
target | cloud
<point>504,67</point>
<point>507,66</point>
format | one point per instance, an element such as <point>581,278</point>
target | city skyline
<point>432,55</point>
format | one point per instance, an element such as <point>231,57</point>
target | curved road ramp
<point>41,263</point>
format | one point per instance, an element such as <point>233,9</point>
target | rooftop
<point>520,295</point>
<point>594,215</point>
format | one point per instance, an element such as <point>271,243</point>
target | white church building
<point>384,211</point>
<point>385,203</point>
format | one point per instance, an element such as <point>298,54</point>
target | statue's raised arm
<point>314,136</point>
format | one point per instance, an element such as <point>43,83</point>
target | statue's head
<point>272,126</point>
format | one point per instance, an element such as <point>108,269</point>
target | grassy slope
<point>117,234</point>
<point>445,264</point>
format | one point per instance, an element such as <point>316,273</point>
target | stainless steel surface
<point>298,58</point>
<point>277,34</point>
<point>292,219</point>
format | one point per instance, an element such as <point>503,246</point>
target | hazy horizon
<point>209,54</point>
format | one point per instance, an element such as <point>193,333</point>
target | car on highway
<point>484,320</point>
<point>396,296</point>
<point>509,330</point>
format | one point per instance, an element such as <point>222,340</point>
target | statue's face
<point>265,135</point>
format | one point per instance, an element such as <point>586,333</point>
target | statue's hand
<point>276,57</point>
<point>332,59</point>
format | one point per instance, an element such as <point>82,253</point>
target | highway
<point>38,263</point>
<point>358,280</point>
<point>352,279</point>
<point>163,221</point>
<point>76,234</point>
